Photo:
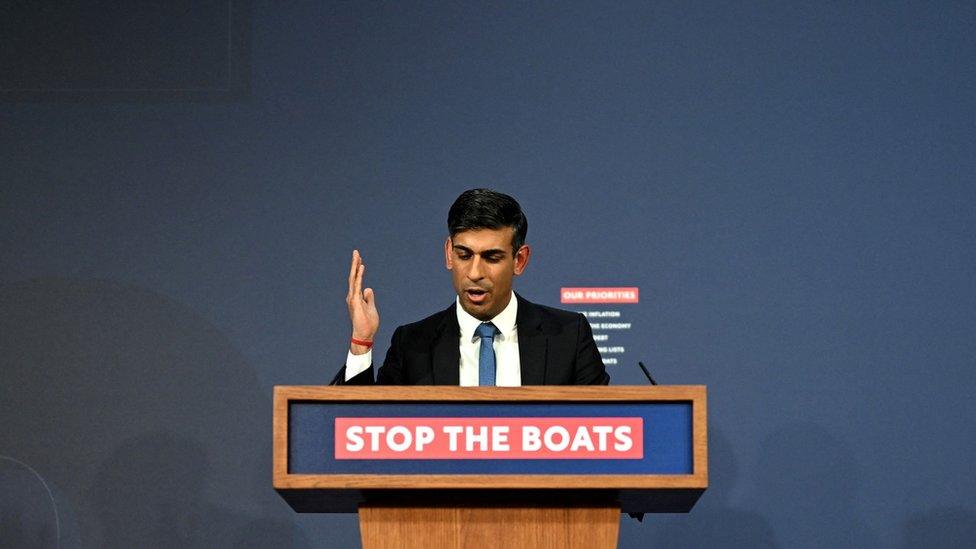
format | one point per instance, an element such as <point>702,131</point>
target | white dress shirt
<point>508,368</point>
<point>508,371</point>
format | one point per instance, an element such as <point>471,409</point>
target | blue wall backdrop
<point>792,186</point>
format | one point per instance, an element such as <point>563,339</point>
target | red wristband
<point>367,344</point>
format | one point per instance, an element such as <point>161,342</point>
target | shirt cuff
<point>357,364</point>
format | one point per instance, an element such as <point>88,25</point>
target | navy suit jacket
<point>556,347</point>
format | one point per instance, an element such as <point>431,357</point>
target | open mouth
<point>476,295</point>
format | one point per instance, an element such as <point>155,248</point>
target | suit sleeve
<point>391,373</point>
<point>362,378</point>
<point>589,365</point>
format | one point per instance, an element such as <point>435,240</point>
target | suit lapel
<point>532,343</point>
<point>445,353</point>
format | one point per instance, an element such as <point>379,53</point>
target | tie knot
<point>486,330</point>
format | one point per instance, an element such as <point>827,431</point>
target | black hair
<point>488,209</point>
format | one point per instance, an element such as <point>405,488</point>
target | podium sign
<point>624,448</point>
<point>618,438</point>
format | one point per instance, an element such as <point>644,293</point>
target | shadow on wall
<point>808,482</point>
<point>941,527</point>
<point>145,421</point>
<point>714,521</point>
<point>167,505</point>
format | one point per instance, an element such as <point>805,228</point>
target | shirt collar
<point>504,321</point>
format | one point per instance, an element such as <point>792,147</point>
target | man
<point>490,335</point>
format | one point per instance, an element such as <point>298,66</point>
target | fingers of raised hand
<point>353,271</point>
<point>356,270</point>
<point>358,288</point>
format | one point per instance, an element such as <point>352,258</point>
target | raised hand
<point>362,306</point>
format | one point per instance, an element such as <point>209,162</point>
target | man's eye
<point>463,256</point>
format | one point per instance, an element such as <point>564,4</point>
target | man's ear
<point>448,262</point>
<point>522,259</point>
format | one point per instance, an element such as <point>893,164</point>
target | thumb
<point>368,296</point>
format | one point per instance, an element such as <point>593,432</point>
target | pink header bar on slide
<point>599,295</point>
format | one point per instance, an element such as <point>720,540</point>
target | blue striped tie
<point>486,359</point>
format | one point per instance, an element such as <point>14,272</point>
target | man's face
<point>482,267</point>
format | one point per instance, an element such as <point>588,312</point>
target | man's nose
<point>476,272</point>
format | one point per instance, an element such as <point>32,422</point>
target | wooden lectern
<point>516,470</point>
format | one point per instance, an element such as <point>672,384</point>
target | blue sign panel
<point>666,438</point>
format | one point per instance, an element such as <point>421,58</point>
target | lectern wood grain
<point>478,527</point>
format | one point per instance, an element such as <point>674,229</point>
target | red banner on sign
<point>599,295</point>
<point>489,438</point>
